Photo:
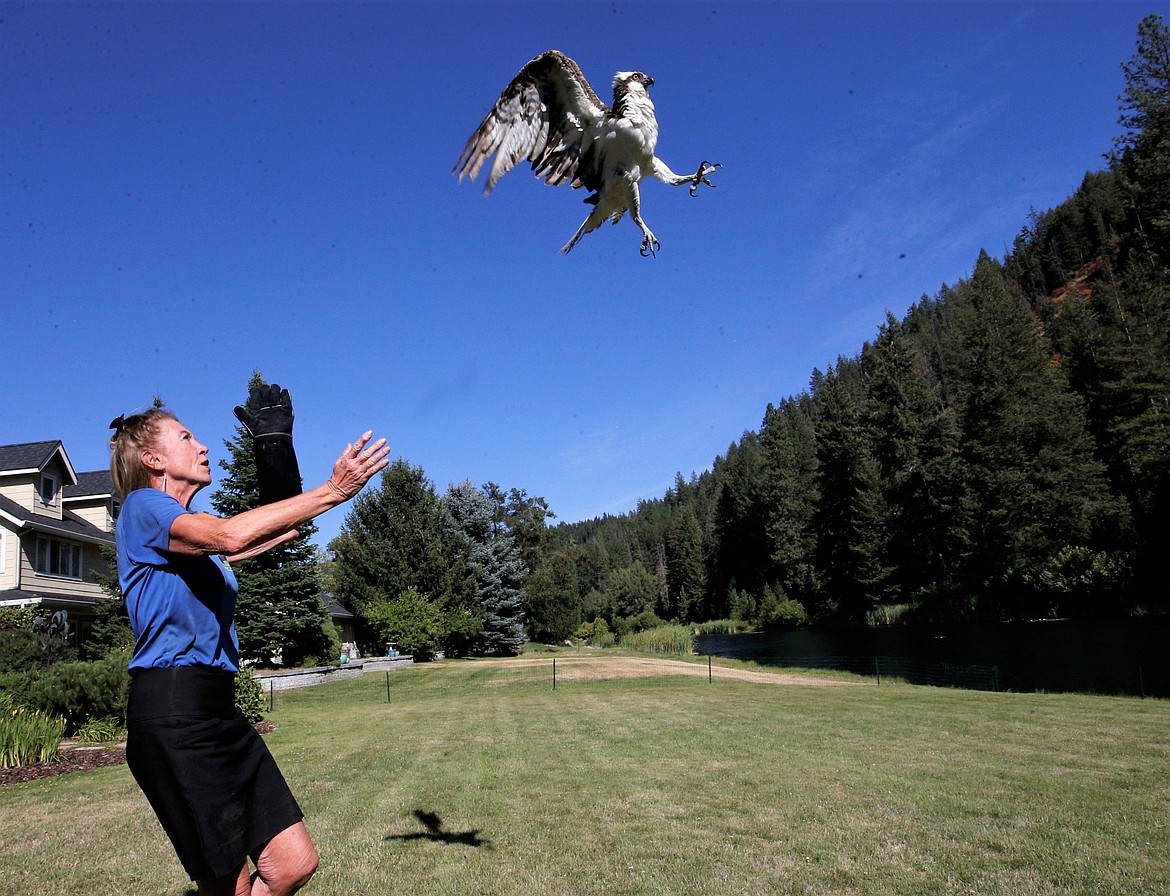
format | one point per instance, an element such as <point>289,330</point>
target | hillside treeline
<point>999,452</point>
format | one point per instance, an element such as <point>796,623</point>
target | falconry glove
<point>268,417</point>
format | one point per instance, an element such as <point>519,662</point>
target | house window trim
<point>55,492</point>
<point>76,559</point>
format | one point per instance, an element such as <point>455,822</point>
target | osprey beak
<point>649,81</point>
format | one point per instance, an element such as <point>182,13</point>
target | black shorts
<point>205,771</point>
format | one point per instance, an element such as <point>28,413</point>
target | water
<point>1124,657</point>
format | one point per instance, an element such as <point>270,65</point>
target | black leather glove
<point>268,417</point>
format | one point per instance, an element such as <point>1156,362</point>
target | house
<point>54,523</point>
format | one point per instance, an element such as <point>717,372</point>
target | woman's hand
<point>355,467</point>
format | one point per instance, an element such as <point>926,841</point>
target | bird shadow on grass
<point>434,832</point>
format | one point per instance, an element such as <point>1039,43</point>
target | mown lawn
<point>481,779</point>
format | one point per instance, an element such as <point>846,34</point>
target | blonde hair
<point>131,435</point>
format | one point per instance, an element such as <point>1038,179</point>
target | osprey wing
<point>540,116</point>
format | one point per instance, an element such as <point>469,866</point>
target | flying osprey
<point>550,116</point>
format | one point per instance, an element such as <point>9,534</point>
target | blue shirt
<point>181,608</point>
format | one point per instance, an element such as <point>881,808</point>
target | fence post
<point>554,673</point>
<point>387,685</point>
<point>877,670</point>
<point>1141,683</point>
<point>709,669</point>
<point>271,694</point>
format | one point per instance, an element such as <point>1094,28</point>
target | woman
<point>205,771</point>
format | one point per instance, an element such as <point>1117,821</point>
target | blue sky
<point>192,191</point>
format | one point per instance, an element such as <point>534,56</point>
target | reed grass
<point>675,640</point>
<point>28,736</point>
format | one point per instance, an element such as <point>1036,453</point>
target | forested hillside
<point>1001,451</point>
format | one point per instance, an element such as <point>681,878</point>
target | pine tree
<point>687,576</point>
<point>849,516</point>
<point>914,442</point>
<point>790,495</point>
<point>280,613</point>
<point>1143,153</point>
<point>1033,485</point>
<point>474,519</point>
<point>740,556</point>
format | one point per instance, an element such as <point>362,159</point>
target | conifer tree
<point>280,612</point>
<point>474,519</point>
<point>914,442</point>
<point>790,495</point>
<point>1033,484</point>
<point>848,520</point>
<point>1143,152</point>
<point>393,540</point>
<point>552,605</point>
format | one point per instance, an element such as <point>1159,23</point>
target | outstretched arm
<point>256,530</point>
<point>268,417</point>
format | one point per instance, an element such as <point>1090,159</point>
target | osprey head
<point>628,79</point>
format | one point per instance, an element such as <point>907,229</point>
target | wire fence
<point>908,670</point>
<point>1121,679</point>
<point>568,670</point>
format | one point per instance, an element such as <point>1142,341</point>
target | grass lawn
<point>480,779</point>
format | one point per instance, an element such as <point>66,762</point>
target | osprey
<point>550,116</point>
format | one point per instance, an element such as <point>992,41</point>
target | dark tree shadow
<point>434,831</point>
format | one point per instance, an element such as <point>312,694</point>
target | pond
<point>1104,657</point>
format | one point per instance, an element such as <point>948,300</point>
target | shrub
<point>779,611</point>
<point>81,691</point>
<point>249,695</point>
<point>602,636</point>
<point>18,645</point>
<point>417,625</point>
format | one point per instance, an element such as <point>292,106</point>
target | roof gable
<point>92,484</point>
<point>33,457</point>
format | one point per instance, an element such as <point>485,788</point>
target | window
<point>58,558</point>
<point>48,490</point>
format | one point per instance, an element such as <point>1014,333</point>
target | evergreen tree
<point>553,605</point>
<point>1143,152</point>
<point>849,515</point>
<point>475,519</point>
<point>110,631</point>
<point>790,494</point>
<point>687,576</point>
<point>280,612</point>
<point>393,539</point>
<point>1033,484</point>
<point>740,555</point>
<point>914,442</point>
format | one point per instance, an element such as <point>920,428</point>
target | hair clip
<point>118,424</point>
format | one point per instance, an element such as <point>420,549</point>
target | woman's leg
<point>238,884</point>
<point>285,863</point>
